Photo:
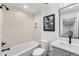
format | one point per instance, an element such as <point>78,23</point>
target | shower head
<point>7,8</point>
<point>4,6</point>
<point>1,7</point>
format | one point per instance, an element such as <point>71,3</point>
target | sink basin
<point>73,47</point>
<point>67,45</point>
<point>64,44</point>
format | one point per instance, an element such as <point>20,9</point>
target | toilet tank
<point>44,44</point>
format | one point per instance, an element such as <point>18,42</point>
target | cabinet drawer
<point>60,52</point>
<point>51,54</point>
<point>72,54</point>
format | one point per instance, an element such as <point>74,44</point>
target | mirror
<point>69,20</point>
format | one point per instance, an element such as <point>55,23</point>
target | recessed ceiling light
<point>25,6</point>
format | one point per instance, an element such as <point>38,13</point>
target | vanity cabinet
<point>59,52</point>
<point>72,54</point>
<point>54,51</point>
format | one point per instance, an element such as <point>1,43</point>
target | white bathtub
<point>25,49</point>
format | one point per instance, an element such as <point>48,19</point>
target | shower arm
<point>4,5</point>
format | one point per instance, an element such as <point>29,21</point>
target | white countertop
<point>73,47</point>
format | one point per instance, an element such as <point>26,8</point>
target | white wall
<point>17,26</point>
<point>0,29</point>
<point>0,25</point>
<point>37,31</point>
<point>50,35</point>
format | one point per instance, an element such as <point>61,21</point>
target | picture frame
<point>49,23</point>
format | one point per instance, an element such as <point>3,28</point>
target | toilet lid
<point>38,51</point>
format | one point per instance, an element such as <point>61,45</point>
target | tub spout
<point>5,49</point>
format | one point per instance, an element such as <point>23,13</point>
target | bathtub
<point>25,49</point>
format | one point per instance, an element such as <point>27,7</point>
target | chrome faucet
<point>70,34</point>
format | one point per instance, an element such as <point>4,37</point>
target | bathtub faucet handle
<point>2,44</point>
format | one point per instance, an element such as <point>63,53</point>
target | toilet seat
<point>38,52</point>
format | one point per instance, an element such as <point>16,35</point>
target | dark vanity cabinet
<point>54,51</point>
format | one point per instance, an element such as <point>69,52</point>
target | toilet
<point>41,51</point>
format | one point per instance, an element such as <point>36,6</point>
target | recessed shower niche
<point>69,20</point>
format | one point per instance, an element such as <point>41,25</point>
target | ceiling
<point>33,8</point>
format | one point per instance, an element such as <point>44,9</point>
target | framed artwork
<point>49,23</point>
